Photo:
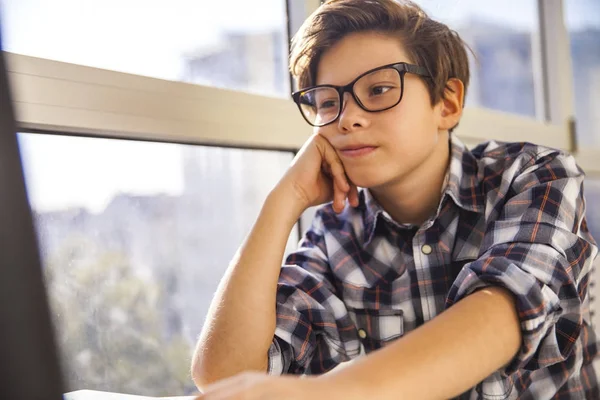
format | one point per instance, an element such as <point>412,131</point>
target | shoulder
<point>511,160</point>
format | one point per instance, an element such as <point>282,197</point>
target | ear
<point>452,104</point>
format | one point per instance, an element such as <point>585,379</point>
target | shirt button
<point>362,333</point>
<point>426,249</point>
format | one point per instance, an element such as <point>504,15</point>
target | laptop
<point>29,367</point>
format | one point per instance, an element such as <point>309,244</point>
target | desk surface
<point>96,395</point>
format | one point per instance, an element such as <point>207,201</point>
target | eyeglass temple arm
<point>416,69</point>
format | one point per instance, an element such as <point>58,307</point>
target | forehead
<point>357,53</point>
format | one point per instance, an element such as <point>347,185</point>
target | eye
<point>379,90</point>
<point>328,104</point>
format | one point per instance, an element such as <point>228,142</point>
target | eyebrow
<point>317,83</point>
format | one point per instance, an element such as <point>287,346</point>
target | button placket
<point>421,251</point>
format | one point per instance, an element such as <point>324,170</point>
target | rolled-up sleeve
<point>537,246</point>
<point>314,332</point>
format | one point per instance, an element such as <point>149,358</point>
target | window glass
<point>503,35</point>
<point>205,42</point>
<point>135,237</point>
<point>583,23</point>
<point>592,196</point>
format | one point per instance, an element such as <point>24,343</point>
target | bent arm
<point>240,324</point>
<point>446,356</point>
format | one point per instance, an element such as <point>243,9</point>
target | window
<point>504,37</point>
<point>592,195</point>
<point>205,42</point>
<point>135,237</point>
<point>583,23</point>
<point>582,19</point>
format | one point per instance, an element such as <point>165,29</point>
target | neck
<point>415,198</point>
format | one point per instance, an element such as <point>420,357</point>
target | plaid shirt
<point>511,215</point>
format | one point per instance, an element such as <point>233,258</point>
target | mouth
<point>355,152</point>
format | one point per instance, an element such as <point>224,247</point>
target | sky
<point>150,37</point>
<point>63,171</point>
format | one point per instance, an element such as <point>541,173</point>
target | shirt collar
<point>461,184</point>
<point>464,185</point>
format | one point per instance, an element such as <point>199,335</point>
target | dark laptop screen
<point>28,357</point>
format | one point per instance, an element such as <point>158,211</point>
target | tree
<point>109,326</point>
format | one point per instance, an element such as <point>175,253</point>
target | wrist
<point>287,201</point>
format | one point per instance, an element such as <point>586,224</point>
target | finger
<point>339,175</point>
<point>339,183</point>
<point>248,386</point>
<point>225,388</point>
<point>339,199</point>
<point>338,194</point>
<point>336,177</point>
<point>335,165</point>
<point>325,168</point>
<point>353,196</point>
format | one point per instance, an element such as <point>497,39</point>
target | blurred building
<point>502,72</point>
<point>252,62</point>
<point>585,53</point>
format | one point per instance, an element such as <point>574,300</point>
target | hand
<point>259,386</point>
<point>317,176</point>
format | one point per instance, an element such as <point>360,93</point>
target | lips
<point>357,151</point>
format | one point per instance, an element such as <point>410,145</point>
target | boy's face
<point>399,140</point>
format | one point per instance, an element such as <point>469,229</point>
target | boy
<point>459,273</point>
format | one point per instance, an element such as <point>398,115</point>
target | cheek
<point>401,125</point>
<point>409,137</point>
<point>415,121</point>
<point>415,110</point>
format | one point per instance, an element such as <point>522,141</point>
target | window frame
<point>53,96</point>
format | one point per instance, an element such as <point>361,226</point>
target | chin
<point>366,180</point>
<point>375,178</point>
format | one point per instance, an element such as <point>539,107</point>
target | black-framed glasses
<point>376,90</point>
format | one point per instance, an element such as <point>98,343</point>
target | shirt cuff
<point>548,334</point>
<point>276,359</point>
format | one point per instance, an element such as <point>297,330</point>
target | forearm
<point>240,324</point>
<point>446,356</point>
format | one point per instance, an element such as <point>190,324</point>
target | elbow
<point>206,370</point>
<point>199,374</point>
<point>203,371</point>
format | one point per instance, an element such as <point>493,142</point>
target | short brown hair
<point>428,43</point>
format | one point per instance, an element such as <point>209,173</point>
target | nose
<point>352,116</point>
